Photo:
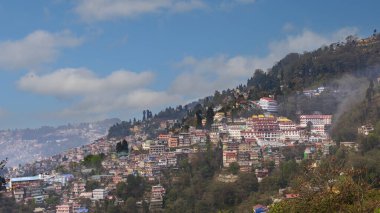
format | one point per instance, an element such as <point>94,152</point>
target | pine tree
<point>209,117</point>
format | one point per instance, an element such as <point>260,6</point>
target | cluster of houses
<point>249,142</point>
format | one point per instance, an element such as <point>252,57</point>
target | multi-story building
<point>19,194</point>
<point>173,142</point>
<point>78,187</point>
<point>234,129</point>
<point>157,149</point>
<point>315,120</point>
<point>156,200</point>
<point>99,194</point>
<point>158,191</point>
<point>24,182</point>
<point>65,208</point>
<point>266,128</point>
<point>229,157</point>
<point>184,140</point>
<point>289,130</point>
<point>268,104</point>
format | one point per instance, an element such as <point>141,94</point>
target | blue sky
<point>67,61</point>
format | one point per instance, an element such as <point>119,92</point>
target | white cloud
<point>201,77</point>
<point>98,10</point>
<point>119,90</point>
<point>81,81</point>
<point>128,92</point>
<point>134,100</point>
<point>35,49</point>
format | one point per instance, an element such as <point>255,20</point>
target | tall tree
<point>209,117</point>
<point>2,179</point>
<point>309,126</point>
<point>199,116</point>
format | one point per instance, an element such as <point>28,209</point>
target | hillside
<point>171,162</point>
<point>345,68</point>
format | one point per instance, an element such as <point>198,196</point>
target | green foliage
<point>121,190</point>
<point>2,179</point>
<point>199,117</point>
<point>248,183</point>
<point>8,204</point>
<point>359,114</point>
<point>91,185</point>
<point>369,142</point>
<point>263,84</point>
<point>120,130</point>
<point>197,190</point>
<point>234,168</point>
<point>346,196</point>
<point>52,200</point>
<point>290,153</point>
<point>135,186</point>
<point>122,146</point>
<point>93,161</point>
<point>209,117</point>
<point>131,205</point>
<point>368,164</point>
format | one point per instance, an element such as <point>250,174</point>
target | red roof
<point>267,99</point>
<point>289,196</point>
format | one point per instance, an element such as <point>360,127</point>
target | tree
<point>131,205</point>
<point>234,168</point>
<point>91,185</point>
<point>209,117</point>
<point>94,161</point>
<point>330,188</point>
<point>120,130</point>
<point>247,183</point>
<point>135,186</point>
<point>149,114</point>
<point>2,179</point>
<point>309,126</point>
<point>122,146</point>
<point>199,116</point>
<point>121,190</point>
<point>370,142</point>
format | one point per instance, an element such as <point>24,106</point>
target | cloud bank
<point>123,90</point>
<point>119,90</point>
<point>39,47</point>
<point>100,10</point>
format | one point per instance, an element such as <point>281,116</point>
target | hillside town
<point>252,143</point>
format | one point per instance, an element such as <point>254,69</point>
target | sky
<point>69,61</point>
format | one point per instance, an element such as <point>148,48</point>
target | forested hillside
<point>346,67</point>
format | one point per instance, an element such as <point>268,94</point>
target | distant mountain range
<point>26,145</point>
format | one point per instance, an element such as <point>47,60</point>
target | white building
<point>234,129</point>
<point>315,120</point>
<point>99,194</point>
<point>268,104</point>
<point>288,129</point>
